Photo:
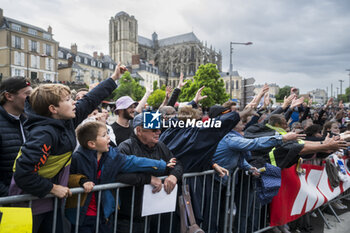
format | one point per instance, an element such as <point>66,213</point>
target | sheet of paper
<point>156,203</point>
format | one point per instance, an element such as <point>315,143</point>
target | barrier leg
<point>324,219</point>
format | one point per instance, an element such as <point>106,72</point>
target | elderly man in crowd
<point>145,143</point>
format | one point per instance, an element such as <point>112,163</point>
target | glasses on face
<point>151,130</point>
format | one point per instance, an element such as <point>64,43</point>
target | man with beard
<point>125,109</point>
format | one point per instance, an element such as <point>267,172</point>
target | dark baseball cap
<point>216,110</point>
<point>14,84</point>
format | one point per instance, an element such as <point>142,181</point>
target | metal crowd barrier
<point>217,207</point>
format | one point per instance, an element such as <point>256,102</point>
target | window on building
<point>47,77</point>
<point>111,66</point>
<point>47,36</point>
<point>85,60</point>
<point>19,58</point>
<point>60,54</point>
<point>33,61</point>
<point>18,42</point>
<point>17,72</point>
<point>69,55</point>
<point>92,73</point>
<point>93,63</point>
<point>237,85</point>
<point>192,54</point>
<point>32,32</point>
<point>33,46</point>
<point>77,59</point>
<point>48,50</point>
<point>16,27</point>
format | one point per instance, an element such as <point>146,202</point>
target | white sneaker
<point>339,206</point>
<point>284,229</point>
<point>314,215</point>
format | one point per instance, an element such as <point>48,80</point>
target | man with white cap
<point>125,109</point>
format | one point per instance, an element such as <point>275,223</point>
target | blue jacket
<point>84,162</point>
<point>45,157</point>
<point>234,149</point>
<point>194,147</point>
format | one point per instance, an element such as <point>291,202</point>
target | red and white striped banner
<point>300,194</point>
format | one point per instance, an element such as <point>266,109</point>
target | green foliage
<point>128,86</point>
<point>284,91</point>
<point>207,75</point>
<point>156,98</point>
<point>155,85</point>
<point>163,87</point>
<point>343,97</point>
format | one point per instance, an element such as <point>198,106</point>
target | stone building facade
<point>173,55</point>
<point>78,67</point>
<point>27,50</point>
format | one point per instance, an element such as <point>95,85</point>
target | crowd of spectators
<point>40,153</point>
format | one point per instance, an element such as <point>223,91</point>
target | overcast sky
<point>299,43</point>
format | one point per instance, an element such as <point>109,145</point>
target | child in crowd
<point>95,162</point>
<point>43,162</point>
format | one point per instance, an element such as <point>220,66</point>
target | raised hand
<point>168,91</point>
<point>119,70</point>
<point>288,100</point>
<point>199,96</point>
<point>297,102</point>
<point>266,100</point>
<point>181,82</point>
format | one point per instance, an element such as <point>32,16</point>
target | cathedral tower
<point>123,35</point>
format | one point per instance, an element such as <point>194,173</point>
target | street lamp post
<point>231,51</point>
<point>349,76</point>
<point>341,86</point>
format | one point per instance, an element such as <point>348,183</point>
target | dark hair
<point>12,85</point>
<point>312,130</point>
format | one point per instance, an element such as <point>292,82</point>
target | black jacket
<point>46,155</point>
<point>11,140</point>
<point>195,146</point>
<point>285,155</point>
<point>134,146</point>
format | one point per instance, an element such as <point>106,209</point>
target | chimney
<point>95,55</point>
<point>70,62</point>
<point>74,48</point>
<point>1,17</point>
<point>49,29</point>
<point>135,59</point>
<point>101,55</point>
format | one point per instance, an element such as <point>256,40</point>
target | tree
<point>284,91</point>
<point>155,85</point>
<point>128,86</point>
<point>156,98</point>
<point>207,75</point>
